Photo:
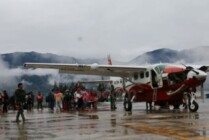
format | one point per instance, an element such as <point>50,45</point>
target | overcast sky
<point>95,28</point>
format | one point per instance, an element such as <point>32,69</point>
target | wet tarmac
<point>109,125</point>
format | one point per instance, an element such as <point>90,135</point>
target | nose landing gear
<point>127,103</point>
<point>193,105</point>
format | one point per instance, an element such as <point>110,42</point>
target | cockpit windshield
<point>159,68</point>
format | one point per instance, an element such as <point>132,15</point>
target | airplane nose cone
<point>198,74</point>
<point>203,75</point>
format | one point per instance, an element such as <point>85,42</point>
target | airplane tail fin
<point>109,60</point>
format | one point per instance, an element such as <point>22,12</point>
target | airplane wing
<point>95,81</point>
<point>93,69</point>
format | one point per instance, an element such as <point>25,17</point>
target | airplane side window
<point>147,74</point>
<point>141,75</point>
<point>135,76</point>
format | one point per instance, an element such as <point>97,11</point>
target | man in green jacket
<point>20,100</point>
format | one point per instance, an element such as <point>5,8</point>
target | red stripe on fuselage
<point>171,69</point>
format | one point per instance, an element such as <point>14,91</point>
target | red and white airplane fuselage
<point>163,84</point>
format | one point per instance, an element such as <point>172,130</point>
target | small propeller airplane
<point>163,84</point>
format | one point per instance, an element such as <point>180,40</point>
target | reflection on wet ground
<point>109,125</point>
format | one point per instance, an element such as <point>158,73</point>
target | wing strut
<point>154,94</point>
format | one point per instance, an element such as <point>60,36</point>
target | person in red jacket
<point>92,100</point>
<point>39,99</point>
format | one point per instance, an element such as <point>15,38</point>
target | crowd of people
<point>69,100</point>
<point>57,100</point>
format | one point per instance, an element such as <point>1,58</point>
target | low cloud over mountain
<point>197,55</point>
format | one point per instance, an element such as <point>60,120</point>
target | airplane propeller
<point>190,68</point>
<point>203,68</point>
<point>202,92</point>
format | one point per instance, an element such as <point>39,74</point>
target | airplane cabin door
<point>156,79</point>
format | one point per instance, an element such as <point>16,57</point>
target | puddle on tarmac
<point>114,125</point>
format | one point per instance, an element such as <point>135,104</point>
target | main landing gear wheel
<point>127,105</point>
<point>193,107</point>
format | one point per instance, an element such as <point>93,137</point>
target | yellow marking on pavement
<point>169,132</point>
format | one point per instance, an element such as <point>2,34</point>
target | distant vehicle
<point>115,81</point>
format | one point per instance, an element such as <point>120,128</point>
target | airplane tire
<point>127,106</point>
<point>194,106</point>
